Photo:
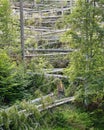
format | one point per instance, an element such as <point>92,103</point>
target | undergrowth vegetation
<point>26,116</point>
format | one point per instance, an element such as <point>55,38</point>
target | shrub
<point>12,83</point>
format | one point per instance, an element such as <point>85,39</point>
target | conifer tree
<point>12,82</point>
<point>7,25</point>
<point>86,35</point>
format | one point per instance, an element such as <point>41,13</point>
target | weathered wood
<point>37,29</point>
<point>22,29</point>
<point>49,50</point>
<point>48,17</point>
<point>49,75</point>
<point>40,33</point>
<point>46,106</point>
<point>50,10</point>
<point>56,76</point>
<point>48,22</point>
<point>51,54</point>
<point>41,98</point>
<point>50,32</point>
<point>54,70</point>
<point>42,37</point>
<point>43,27</point>
<point>56,31</point>
<point>70,99</point>
<point>56,103</point>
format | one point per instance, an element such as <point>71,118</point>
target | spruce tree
<point>12,80</point>
<point>86,36</point>
<point>8,26</point>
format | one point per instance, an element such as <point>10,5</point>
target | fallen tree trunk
<point>66,100</point>
<point>43,107</point>
<point>49,50</point>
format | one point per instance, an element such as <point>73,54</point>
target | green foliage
<point>40,83</point>
<point>60,23</point>
<point>36,76</point>
<point>16,84</point>
<point>97,117</point>
<point>26,117</point>
<point>12,81</point>
<point>7,74</point>
<point>86,35</point>
<point>86,68</point>
<point>53,119</point>
<point>4,21</point>
<point>58,119</point>
<point>78,119</point>
<point>7,26</point>
<point>67,118</point>
<point>38,64</point>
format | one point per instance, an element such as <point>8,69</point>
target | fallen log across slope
<point>49,75</point>
<point>40,108</point>
<point>50,54</point>
<point>49,50</point>
<point>58,103</point>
